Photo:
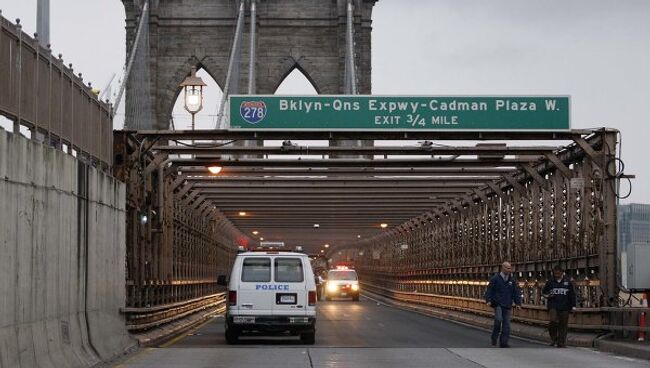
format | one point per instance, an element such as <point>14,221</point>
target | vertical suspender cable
<point>106,92</point>
<point>231,62</point>
<point>251,64</point>
<point>350,50</point>
<point>144,17</point>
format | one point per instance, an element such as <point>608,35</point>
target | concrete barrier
<point>62,259</point>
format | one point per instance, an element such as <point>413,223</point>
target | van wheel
<point>232,337</point>
<point>355,298</point>
<point>328,298</point>
<point>308,338</point>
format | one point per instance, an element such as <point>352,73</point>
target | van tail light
<point>312,298</point>
<point>232,297</point>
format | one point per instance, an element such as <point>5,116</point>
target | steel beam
<point>215,195</point>
<point>317,184</point>
<point>177,182</point>
<point>153,165</point>
<point>586,147</point>
<point>361,150</point>
<point>538,178</point>
<point>481,195</point>
<point>361,171</point>
<point>232,210</point>
<point>185,189</point>
<point>260,211</point>
<point>497,190</point>
<point>383,163</point>
<point>564,170</point>
<point>215,135</point>
<point>321,190</point>
<point>283,180</point>
<point>190,197</point>
<point>515,185</point>
<point>311,218</point>
<point>319,202</point>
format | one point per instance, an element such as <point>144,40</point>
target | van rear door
<point>289,276</point>
<point>254,296</point>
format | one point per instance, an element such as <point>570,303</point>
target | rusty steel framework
<point>561,210</point>
<point>455,212</point>
<point>176,247</point>
<point>42,94</point>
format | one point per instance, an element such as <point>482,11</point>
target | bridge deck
<point>366,334</point>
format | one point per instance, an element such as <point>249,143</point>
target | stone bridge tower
<point>306,34</point>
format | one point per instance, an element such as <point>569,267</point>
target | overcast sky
<point>597,51</point>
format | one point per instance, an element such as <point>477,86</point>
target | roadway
<point>367,334</point>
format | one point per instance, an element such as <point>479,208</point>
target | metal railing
<point>138,319</point>
<point>39,92</point>
<point>614,319</point>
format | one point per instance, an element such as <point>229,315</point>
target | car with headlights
<point>342,283</point>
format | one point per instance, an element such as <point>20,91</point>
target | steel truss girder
<point>318,202</point>
<point>321,190</point>
<point>316,184</point>
<point>365,172</point>
<point>464,200</point>
<point>215,195</point>
<point>436,180</point>
<point>343,163</point>
<point>226,135</point>
<point>374,150</point>
<point>260,212</point>
<point>539,219</point>
<point>329,208</point>
<point>310,219</point>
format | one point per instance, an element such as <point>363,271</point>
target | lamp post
<point>193,94</point>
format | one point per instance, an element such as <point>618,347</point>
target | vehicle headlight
<point>332,287</point>
<point>355,287</point>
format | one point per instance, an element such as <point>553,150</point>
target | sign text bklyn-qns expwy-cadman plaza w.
<point>400,112</point>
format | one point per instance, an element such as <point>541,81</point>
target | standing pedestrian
<point>501,293</point>
<point>561,299</point>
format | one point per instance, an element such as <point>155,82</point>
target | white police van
<point>271,293</point>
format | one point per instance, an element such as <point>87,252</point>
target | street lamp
<point>193,93</point>
<point>214,170</point>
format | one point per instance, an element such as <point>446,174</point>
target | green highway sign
<point>400,112</point>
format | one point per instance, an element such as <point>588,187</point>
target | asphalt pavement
<point>367,334</point>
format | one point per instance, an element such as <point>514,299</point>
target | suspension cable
<point>251,64</point>
<point>231,62</point>
<point>350,50</point>
<point>144,17</point>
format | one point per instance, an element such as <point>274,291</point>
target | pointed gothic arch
<point>298,72</point>
<point>298,82</point>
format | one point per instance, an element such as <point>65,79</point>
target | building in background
<point>634,223</point>
<point>634,243</point>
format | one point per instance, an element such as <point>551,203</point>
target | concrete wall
<point>62,259</point>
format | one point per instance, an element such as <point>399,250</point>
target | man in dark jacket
<point>561,299</point>
<point>501,293</point>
